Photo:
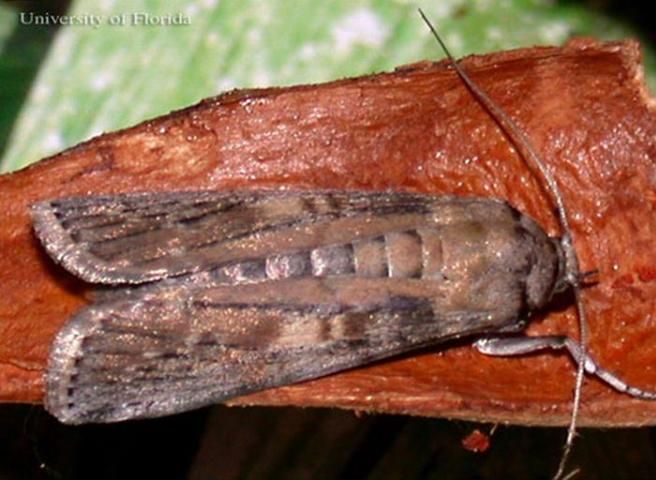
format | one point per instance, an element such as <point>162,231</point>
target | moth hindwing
<point>213,295</point>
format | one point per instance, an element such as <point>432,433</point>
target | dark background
<point>292,443</point>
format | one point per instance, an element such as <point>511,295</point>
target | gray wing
<point>137,238</point>
<point>172,349</point>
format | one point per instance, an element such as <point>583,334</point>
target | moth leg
<point>511,346</point>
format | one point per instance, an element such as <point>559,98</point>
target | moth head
<point>548,271</point>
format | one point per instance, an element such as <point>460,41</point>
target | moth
<point>205,296</point>
<point>214,295</point>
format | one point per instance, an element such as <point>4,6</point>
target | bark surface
<point>584,107</point>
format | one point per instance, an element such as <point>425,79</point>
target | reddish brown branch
<point>586,110</point>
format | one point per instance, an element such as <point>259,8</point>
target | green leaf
<point>164,55</point>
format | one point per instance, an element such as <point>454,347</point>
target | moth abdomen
<point>395,254</point>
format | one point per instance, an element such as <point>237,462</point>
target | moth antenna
<point>526,150</point>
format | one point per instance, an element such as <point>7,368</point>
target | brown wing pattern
<point>178,349</point>
<point>137,238</point>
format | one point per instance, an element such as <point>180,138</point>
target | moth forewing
<point>131,370</point>
<point>143,237</point>
<point>262,289</point>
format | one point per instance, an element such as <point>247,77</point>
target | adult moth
<point>215,295</point>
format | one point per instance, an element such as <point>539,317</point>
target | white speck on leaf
<point>308,51</point>
<point>455,41</point>
<point>360,27</point>
<point>444,9</point>
<point>225,83</point>
<point>261,77</point>
<point>555,33</point>
<point>209,4</point>
<point>494,33</point>
<point>191,9</point>
<point>53,141</point>
<point>97,130</point>
<point>101,80</point>
<point>106,5</point>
